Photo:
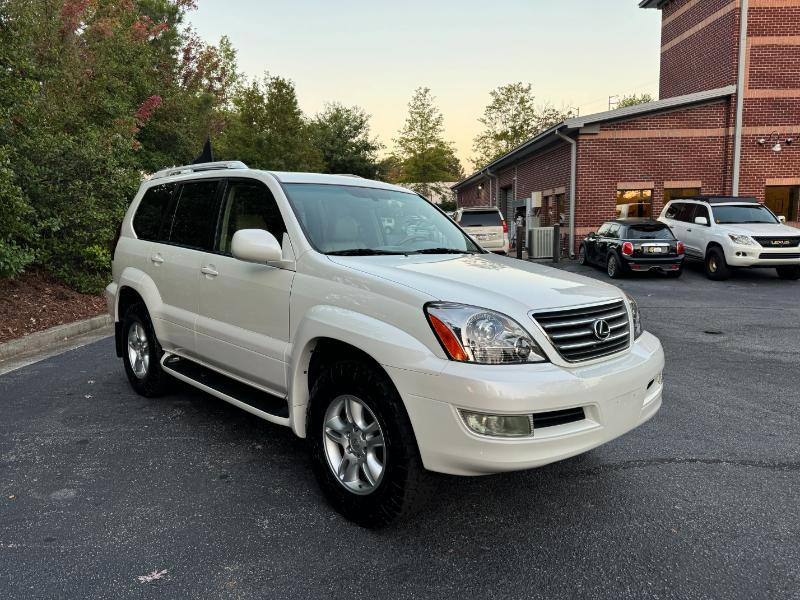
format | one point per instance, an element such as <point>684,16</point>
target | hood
<point>485,280</point>
<point>759,229</point>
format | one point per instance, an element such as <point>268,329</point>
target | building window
<point>634,203</point>
<point>672,193</point>
<point>783,201</point>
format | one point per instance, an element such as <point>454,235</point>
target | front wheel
<point>716,266</point>
<point>789,272</point>
<point>363,449</point>
<point>582,255</point>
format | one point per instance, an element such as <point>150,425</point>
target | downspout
<point>489,177</point>
<point>740,81</point>
<point>573,177</point>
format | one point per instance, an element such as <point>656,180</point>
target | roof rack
<point>199,168</point>
<point>721,199</point>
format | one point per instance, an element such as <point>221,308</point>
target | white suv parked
<point>392,352</point>
<point>486,225</point>
<point>727,231</point>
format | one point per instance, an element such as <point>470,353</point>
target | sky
<point>374,54</point>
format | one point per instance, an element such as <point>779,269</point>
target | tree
<point>342,136</point>
<point>425,156</point>
<point>633,100</point>
<point>510,119</point>
<point>266,128</point>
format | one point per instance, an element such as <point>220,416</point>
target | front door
<point>243,321</point>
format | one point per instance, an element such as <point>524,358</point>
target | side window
<point>249,205</point>
<point>603,231</point>
<point>684,212</point>
<point>673,210</point>
<point>152,219</point>
<point>613,231</point>
<point>195,218</point>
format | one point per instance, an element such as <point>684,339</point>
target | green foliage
<point>17,233</point>
<point>342,136</point>
<point>425,156</point>
<point>634,99</point>
<point>511,118</point>
<point>266,128</point>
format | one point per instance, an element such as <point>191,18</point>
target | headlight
<point>478,335</point>
<point>745,240</point>
<point>637,316</point>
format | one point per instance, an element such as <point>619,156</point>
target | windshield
<point>354,220</point>
<point>484,218</point>
<point>741,213</point>
<point>655,231</point>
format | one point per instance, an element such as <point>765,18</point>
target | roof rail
<point>199,168</point>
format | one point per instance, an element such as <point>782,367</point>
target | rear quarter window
<point>152,219</point>
<point>489,218</point>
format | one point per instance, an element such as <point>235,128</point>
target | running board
<point>255,401</point>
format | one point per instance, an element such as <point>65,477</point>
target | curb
<point>59,333</point>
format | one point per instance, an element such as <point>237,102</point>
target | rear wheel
<point>614,266</point>
<point>363,448</point>
<point>716,266</point>
<point>142,353</point>
<point>789,272</point>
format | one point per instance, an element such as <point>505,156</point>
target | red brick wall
<point>701,60</point>
<point>652,149</point>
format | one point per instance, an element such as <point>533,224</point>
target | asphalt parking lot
<point>99,486</point>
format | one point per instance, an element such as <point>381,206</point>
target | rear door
<point>177,263</point>
<point>243,322</point>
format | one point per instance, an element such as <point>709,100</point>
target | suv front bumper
<point>738,255</point>
<point>617,395</point>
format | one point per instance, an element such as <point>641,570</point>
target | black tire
<point>614,266</point>
<point>789,272</point>
<point>582,260</point>
<point>154,382</point>
<point>675,274</point>
<point>404,484</point>
<point>716,266</point>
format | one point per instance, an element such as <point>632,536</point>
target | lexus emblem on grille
<point>781,242</point>
<point>602,330</point>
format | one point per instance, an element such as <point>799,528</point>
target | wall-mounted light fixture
<point>777,147</point>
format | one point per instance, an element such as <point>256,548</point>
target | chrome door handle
<point>156,259</point>
<point>209,270</point>
<point>688,230</point>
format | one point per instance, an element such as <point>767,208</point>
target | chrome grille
<point>778,242</point>
<point>571,331</point>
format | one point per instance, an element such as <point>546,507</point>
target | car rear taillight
<point>680,247</point>
<point>627,249</point>
<point>505,227</point>
<point>116,240</point>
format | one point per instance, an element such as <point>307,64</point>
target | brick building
<point>630,161</point>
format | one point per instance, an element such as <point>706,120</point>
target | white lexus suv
<point>728,231</point>
<point>393,353</point>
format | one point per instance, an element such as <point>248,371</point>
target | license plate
<point>653,250</point>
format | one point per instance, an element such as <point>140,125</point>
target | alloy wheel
<point>138,350</point>
<point>354,445</point>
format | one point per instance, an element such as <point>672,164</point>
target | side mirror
<point>591,235</point>
<point>782,219</point>
<point>256,245</point>
<point>701,221</point>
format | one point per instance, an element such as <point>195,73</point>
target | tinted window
<point>649,231</point>
<point>196,215</point>
<point>701,211</point>
<point>743,213</point>
<point>683,211</point>
<point>249,205</point>
<point>153,211</point>
<point>489,218</point>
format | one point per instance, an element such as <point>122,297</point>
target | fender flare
<point>381,341</point>
<point>142,284</point>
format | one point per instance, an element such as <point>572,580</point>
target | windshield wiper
<point>441,251</point>
<point>362,252</point>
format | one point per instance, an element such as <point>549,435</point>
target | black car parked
<point>625,245</point>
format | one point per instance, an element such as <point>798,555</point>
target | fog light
<point>498,425</point>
